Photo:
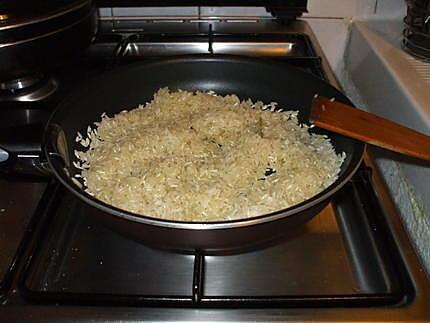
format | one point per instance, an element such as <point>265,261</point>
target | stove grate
<point>381,278</point>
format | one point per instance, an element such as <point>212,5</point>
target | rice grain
<point>197,156</point>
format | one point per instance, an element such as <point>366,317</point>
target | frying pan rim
<point>110,210</point>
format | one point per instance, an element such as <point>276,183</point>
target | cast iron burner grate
<point>76,261</point>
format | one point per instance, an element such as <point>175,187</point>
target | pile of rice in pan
<point>196,156</point>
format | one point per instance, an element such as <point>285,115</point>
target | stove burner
<point>28,89</point>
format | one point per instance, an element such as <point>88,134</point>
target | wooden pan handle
<point>367,127</point>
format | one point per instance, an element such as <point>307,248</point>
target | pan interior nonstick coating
<point>129,86</point>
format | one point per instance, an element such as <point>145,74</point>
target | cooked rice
<point>204,157</point>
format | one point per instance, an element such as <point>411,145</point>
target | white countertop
<point>381,78</point>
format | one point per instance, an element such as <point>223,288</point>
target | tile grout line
<point>375,8</point>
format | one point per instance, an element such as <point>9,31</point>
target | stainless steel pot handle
<point>24,156</point>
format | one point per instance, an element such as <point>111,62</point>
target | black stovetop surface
<point>341,257</point>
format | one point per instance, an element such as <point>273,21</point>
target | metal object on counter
<point>416,35</point>
<point>36,38</point>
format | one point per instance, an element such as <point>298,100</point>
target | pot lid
<point>18,13</point>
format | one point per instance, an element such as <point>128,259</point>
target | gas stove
<point>352,262</point>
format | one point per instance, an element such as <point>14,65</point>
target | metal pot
<point>38,35</point>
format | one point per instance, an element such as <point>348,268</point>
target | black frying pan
<point>126,87</point>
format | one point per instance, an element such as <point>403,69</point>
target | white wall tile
<point>340,8</point>
<point>316,8</point>
<point>105,12</point>
<point>156,11</point>
<point>365,8</point>
<point>391,8</point>
<point>332,34</point>
<point>233,11</point>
